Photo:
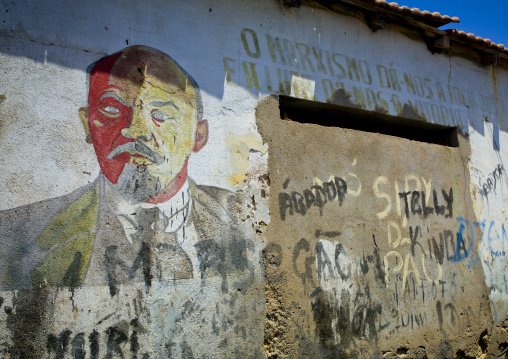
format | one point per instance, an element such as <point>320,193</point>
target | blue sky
<point>487,19</point>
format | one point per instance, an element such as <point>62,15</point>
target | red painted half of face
<point>108,115</point>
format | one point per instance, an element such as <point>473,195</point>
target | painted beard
<point>136,184</point>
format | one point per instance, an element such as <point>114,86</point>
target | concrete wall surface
<point>161,200</point>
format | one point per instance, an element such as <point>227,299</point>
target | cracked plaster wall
<point>348,274</point>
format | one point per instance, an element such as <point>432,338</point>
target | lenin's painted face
<point>143,120</point>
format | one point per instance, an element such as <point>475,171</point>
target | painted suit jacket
<point>67,241</point>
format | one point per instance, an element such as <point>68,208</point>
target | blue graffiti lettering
<point>461,252</point>
<point>496,252</point>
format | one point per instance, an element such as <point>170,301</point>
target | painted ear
<point>83,115</point>
<point>201,135</point>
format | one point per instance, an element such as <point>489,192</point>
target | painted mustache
<point>137,148</point>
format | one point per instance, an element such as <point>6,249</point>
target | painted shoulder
<point>221,202</point>
<point>29,232</point>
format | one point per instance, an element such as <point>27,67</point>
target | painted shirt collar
<point>176,209</point>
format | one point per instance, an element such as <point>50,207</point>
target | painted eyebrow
<point>162,104</point>
<point>115,96</point>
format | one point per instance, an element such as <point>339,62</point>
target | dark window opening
<point>305,111</point>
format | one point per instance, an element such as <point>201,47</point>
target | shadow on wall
<point>77,36</point>
<point>87,32</point>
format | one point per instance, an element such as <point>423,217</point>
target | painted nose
<point>139,128</point>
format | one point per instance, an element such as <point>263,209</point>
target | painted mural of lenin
<point>143,219</point>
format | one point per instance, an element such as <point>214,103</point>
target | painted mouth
<point>139,154</point>
<point>139,159</point>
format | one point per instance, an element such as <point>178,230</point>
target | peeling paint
<point>240,147</point>
<point>186,219</point>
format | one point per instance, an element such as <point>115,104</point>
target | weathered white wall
<point>55,58</point>
<point>239,53</point>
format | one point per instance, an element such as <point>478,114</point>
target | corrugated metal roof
<point>427,17</point>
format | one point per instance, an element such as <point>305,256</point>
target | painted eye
<point>161,116</point>
<point>111,109</point>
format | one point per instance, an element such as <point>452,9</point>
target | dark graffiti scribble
<point>327,234</point>
<point>490,184</point>
<point>316,196</point>
<point>415,203</point>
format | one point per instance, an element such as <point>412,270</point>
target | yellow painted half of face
<point>164,117</point>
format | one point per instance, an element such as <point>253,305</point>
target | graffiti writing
<point>415,203</point>
<point>305,71</point>
<point>450,245</point>
<point>496,238</point>
<point>405,320</point>
<point>315,196</point>
<point>490,184</point>
<point>453,320</point>
<point>461,252</point>
<point>119,341</point>
<point>342,317</point>
<point>413,197</point>
<point>214,258</point>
